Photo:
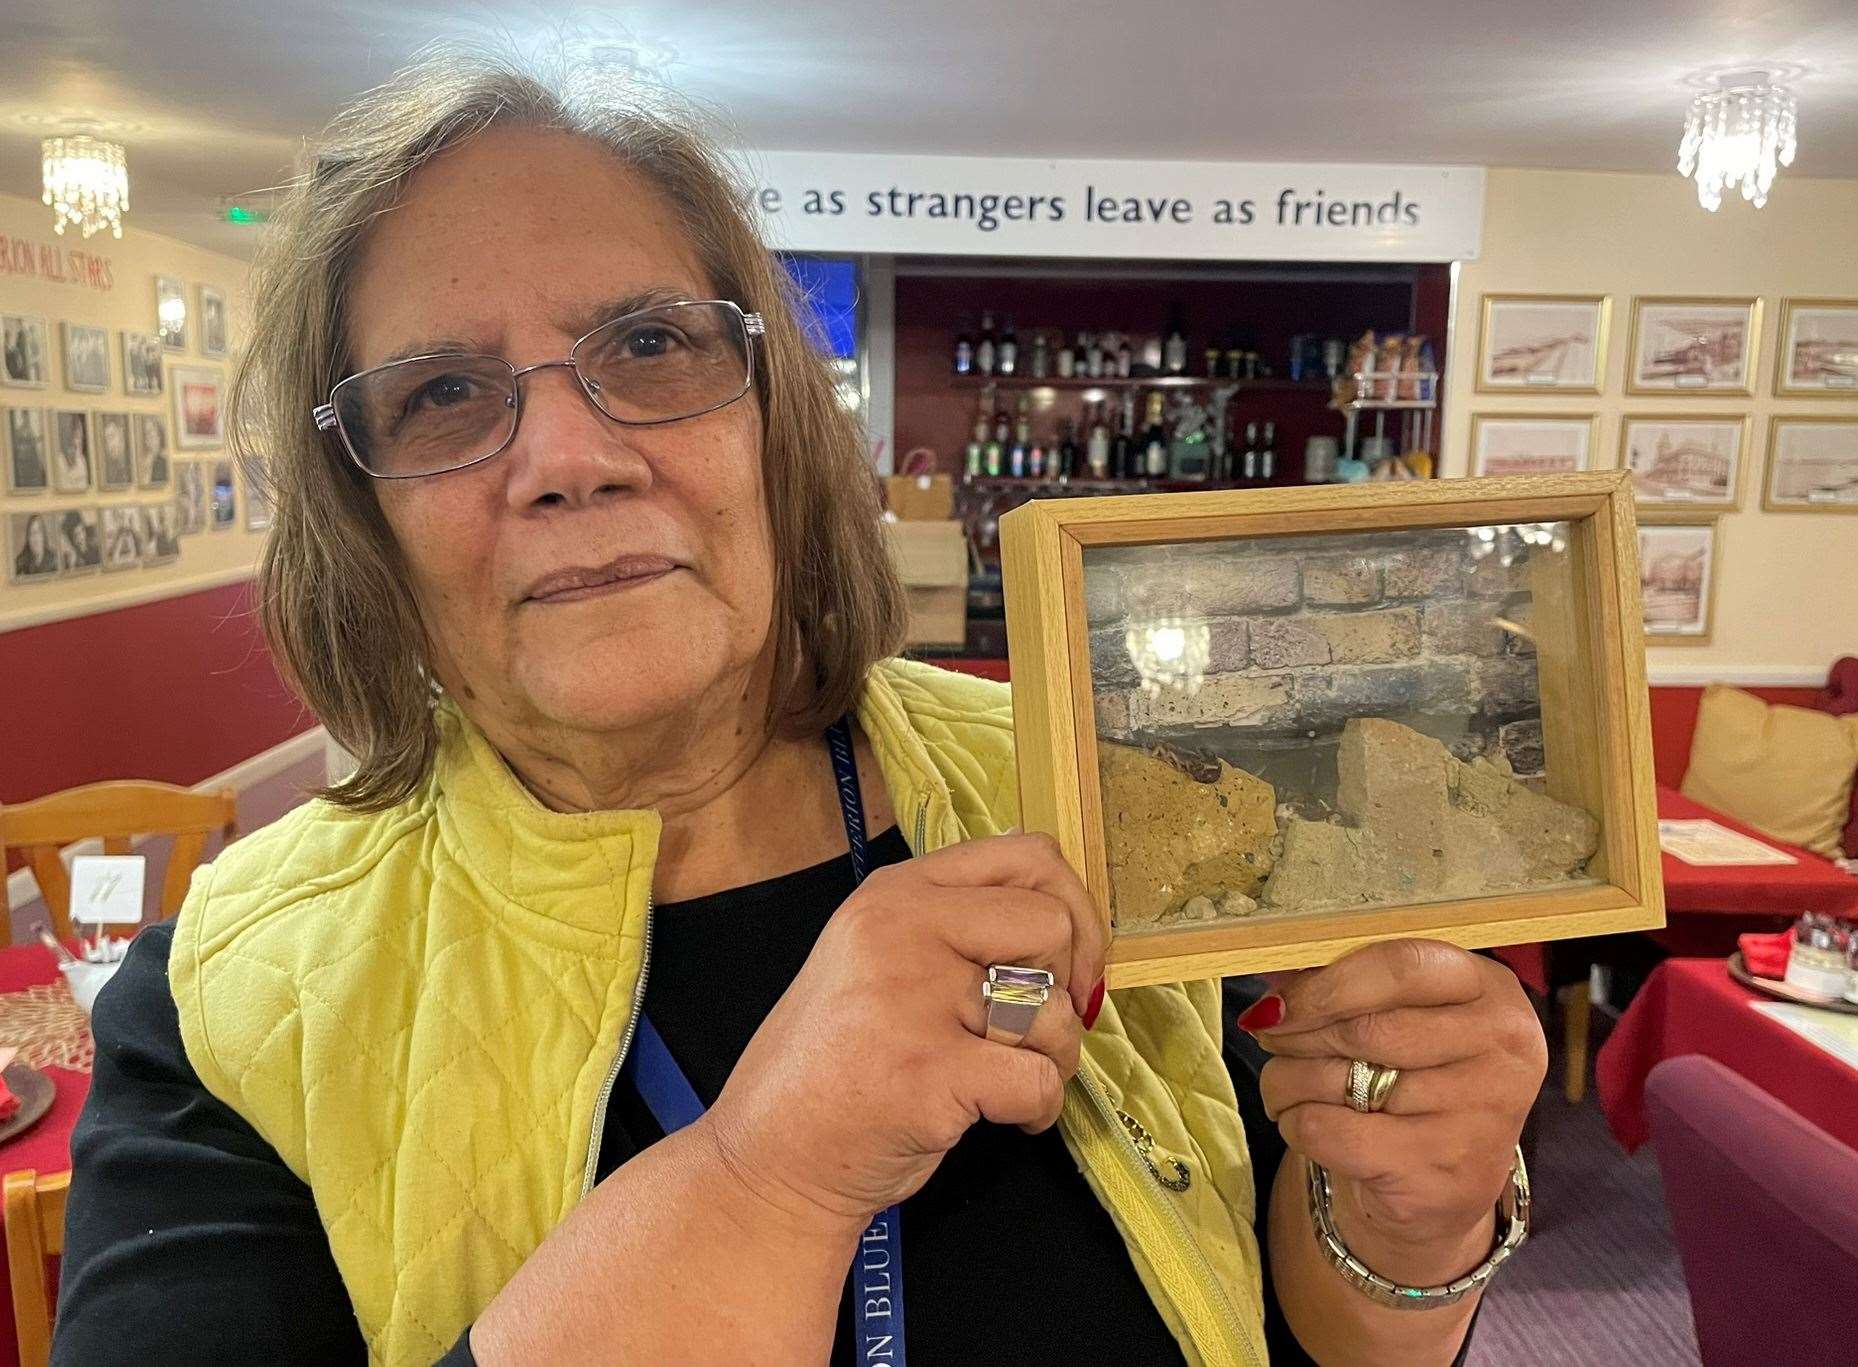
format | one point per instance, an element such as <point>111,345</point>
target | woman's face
<point>516,244</point>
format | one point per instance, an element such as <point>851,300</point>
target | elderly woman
<point>567,1029</point>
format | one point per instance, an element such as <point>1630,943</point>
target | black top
<point>187,1240</point>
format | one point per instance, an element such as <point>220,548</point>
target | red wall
<point>176,690</point>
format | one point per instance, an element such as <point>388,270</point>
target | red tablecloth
<point>1693,1006</point>
<point>46,1147</point>
<point>1809,884</point>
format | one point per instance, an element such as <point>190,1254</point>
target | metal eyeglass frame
<point>753,326</point>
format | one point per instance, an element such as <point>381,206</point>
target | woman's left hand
<point>1422,1176</point>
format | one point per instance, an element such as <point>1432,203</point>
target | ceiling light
<point>86,184</point>
<point>1738,134</point>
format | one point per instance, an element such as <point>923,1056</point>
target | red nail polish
<point>1094,1005</point>
<point>1262,1014</point>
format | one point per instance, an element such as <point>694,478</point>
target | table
<point>29,982</point>
<point>1693,1006</point>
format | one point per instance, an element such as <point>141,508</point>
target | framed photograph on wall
<point>25,351</point>
<point>141,363</point>
<point>161,539</point>
<point>198,417</point>
<point>151,451</point>
<point>71,470</point>
<point>190,496</point>
<point>28,463</point>
<point>1812,465</point>
<point>1677,580</point>
<point>1546,342</point>
<point>115,458</point>
<point>80,541</point>
<point>1685,460</point>
<point>122,537</point>
<point>1531,443</point>
<point>223,496</point>
<point>1819,349</point>
<point>213,322</point>
<point>87,358</point>
<point>1693,346</point>
<point>31,550</point>
<point>171,312</point>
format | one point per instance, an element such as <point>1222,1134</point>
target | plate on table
<point>1768,987</point>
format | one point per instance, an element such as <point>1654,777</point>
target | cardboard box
<point>920,498</point>
<point>932,561</point>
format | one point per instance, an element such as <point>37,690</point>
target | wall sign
<point>60,265</point>
<point>1258,211</point>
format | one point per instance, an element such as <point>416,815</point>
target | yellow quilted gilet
<point>421,1011</point>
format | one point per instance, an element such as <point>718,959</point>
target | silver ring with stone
<point>1013,996</point>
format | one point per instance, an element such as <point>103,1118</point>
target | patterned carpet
<point>1598,1284</point>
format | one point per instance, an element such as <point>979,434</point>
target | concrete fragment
<point>1178,828</point>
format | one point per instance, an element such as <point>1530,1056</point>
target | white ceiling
<point>212,97</point>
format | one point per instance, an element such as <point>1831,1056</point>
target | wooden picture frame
<point>1687,484</point>
<point>1483,425</point>
<point>1515,356</point>
<point>1840,495</point>
<point>1648,313</point>
<point>1668,525</point>
<point>1588,665</point>
<point>1837,372</point>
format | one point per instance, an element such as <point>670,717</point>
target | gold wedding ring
<point>1369,1085</point>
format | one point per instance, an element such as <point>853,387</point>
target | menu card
<point>1836,1034</point>
<point>1706,842</point>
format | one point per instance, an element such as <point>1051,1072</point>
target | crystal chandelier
<point>1738,135</point>
<point>86,184</point>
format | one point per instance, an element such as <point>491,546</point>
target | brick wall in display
<point>1302,636</point>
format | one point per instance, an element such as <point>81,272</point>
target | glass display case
<point>1269,727</point>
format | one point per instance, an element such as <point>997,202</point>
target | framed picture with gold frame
<point>1268,727</point>
<point>1543,343</point>
<point>1533,443</point>
<point>1678,555</point>
<point>1693,346</point>
<point>1818,349</point>
<point>1812,465</point>
<point>1690,461</point>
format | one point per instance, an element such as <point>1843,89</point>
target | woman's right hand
<point>875,1060</point>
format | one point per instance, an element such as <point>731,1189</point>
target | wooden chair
<point>35,1233</point>
<point>113,813</point>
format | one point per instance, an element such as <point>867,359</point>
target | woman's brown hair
<point>332,589</point>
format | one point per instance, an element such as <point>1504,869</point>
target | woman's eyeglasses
<point>430,414</point>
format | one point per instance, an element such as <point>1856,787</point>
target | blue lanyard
<point>877,1268</point>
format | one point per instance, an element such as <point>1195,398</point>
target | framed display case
<point>1267,727</point>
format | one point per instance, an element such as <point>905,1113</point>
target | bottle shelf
<point>1017,382</point>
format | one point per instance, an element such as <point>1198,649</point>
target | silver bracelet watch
<point>1513,1206</point>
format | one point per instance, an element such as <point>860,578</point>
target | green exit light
<point>237,214</point>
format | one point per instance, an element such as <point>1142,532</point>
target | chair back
<point>114,813</point>
<point>1764,1205</point>
<point>35,1234</point>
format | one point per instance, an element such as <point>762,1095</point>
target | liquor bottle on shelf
<point>993,456</point>
<point>1248,471</point>
<point>1067,360</point>
<point>1125,359</point>
<point>977,449</point>
<point>1212,363</point>
<point>964,355</point>
<point>1067,454</point>
<point>1125,460</point>
<point>1155,440</point>
<point>1148,359</point>
<point>1008,355</point>
<point>1098,448</point>
<point>1041,356</point>
<point>984,350</point>
<point>1174,353</point>
<point>1003,429</point>
<point>1091,351</point>
<point>1035,462</point>
<point>1022,442</point>
<point>1267,458</point>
